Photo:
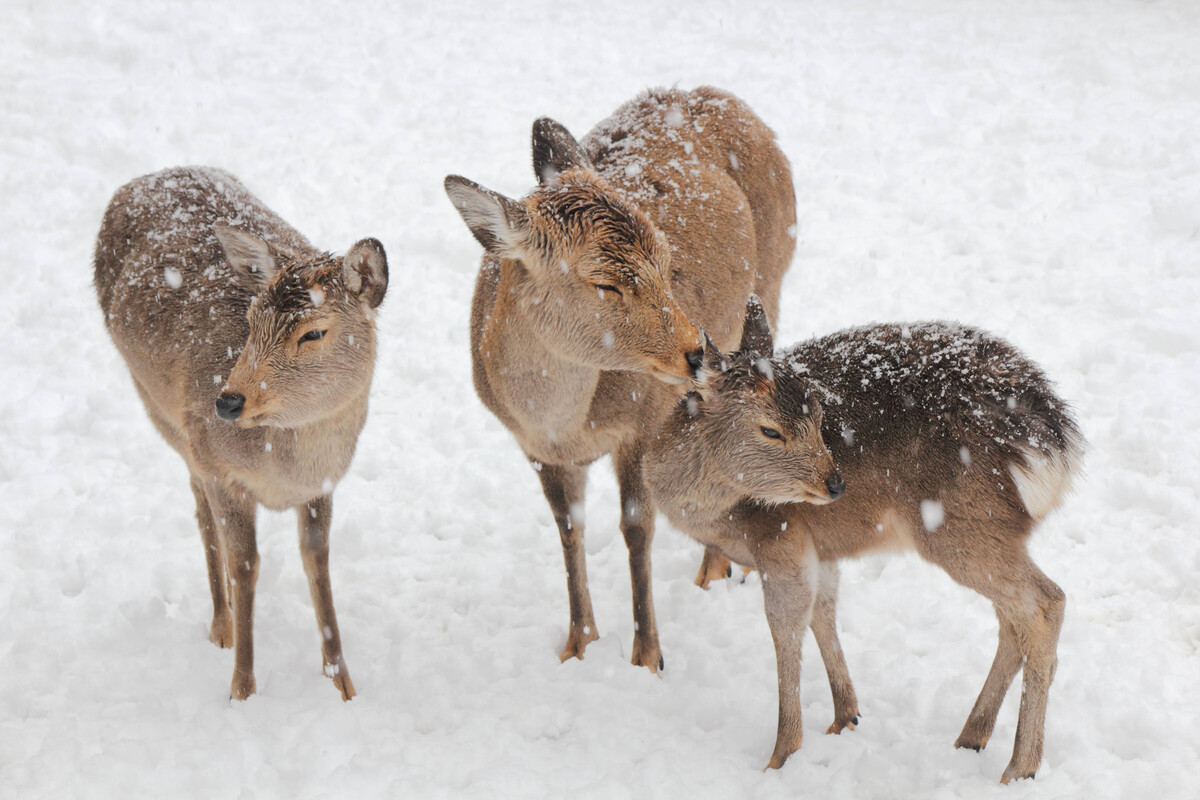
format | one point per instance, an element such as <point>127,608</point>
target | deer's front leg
<point>824,628</point>
<point>314,519</point>
<point>637,526</point>
<point>790,582</point>
<point>220,632</point>
<point>563,486</point>
<point>233,510</point>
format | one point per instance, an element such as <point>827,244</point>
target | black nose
<point>695,360</point>
<point>835,486</point>
<point>229,405</point>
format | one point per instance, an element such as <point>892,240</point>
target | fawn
<point>583,325</point>
<point>253,353</point>
<point>931,436</point>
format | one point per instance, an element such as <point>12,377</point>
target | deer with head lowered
<point>584,322</point>
<point>252,352</point>
<point>932,437</point>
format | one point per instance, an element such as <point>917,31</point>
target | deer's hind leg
<point>563,486</point>
<point>1030,608</point>
<point>982,720</point>
<point>220,632</point>
<point>713,567</point>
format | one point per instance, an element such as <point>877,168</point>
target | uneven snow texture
<point>1031,168</point>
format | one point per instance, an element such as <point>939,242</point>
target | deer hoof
<point>242,686</point>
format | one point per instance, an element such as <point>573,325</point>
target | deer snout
<point>835,486</point>
<point>695,360</point>
<point>229,405</point>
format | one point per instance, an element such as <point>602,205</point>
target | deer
<point>592,289</point>
<point>252,352</point>
<point>932,437</point>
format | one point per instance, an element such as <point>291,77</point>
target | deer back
<point>935,428</point>
<point>708,173</point>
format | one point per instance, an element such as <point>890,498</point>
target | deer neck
<point>684,476</point>
<point>549,396</point>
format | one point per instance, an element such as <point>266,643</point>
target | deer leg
<point>314,519</point>
<point>1037,624</point>
<point>824,628</point>
<point>637,526</point>
<point>220,632</point>
<point>1033,605</point>
<point>982,720</point>
<point>713,567</point>
<point>790,585</point>
<point>563,487</point>
<point>234,513</point>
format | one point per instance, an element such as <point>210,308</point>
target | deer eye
<point>605,288</point>
<point>771,433</point>
<point>312,336</point>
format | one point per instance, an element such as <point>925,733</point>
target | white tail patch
<point>1042,481</point>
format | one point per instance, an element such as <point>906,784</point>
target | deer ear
<point>555,150</point>
<point>248,256</point>
<point>756,331</point>
<point>365,271</point>
<point>493,219</point>
<point>715,363</point>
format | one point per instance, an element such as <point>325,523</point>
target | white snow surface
<point>1031,168</point>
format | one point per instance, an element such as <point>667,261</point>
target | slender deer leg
<point>982,720</point>
<point>1037,629</point>
<point>790,585</point>
<point>234,513</point>
<point>563,487</point>
<point>220,632</point>
<point>314,519</point>
<point>713,567</point>
<point>1033,605</point>
<point>824,628</point>
<point>637,526</point>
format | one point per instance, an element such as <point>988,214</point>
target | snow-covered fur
<point>931,436</point>
<point>585,320</point>
<point>252,352</point>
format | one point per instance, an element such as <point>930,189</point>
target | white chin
<point>673,380</point>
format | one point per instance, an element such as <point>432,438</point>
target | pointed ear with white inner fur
<point>492,218</point>
<point>365,271</point>
<point>249,257</point>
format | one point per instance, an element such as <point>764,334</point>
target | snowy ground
<point>1030,167</point>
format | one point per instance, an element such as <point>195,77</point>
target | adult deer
<point>252,352</point>
<point>583,327</point>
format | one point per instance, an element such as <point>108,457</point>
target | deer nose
<point>229,405</point>
<point>835,486</point>
<point>695,360</point>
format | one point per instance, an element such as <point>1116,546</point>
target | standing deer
<point>253,353</point>
<point>935,437</point>
<point>666,216</point>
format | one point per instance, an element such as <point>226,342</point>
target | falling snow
<point>1025,167</point>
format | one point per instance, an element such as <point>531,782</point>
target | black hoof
<point>729,571</point>
<point>661,664</point>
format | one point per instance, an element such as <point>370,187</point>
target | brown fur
<point>928,414</point>
<point>207,294</point>
<point>665,217</point>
